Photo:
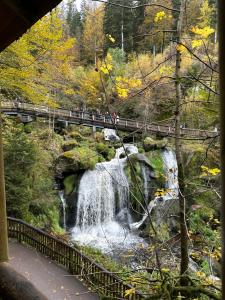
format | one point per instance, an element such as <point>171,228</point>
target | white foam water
<point>103,218</point>
<point>172,187</point>
<point>61,196</point>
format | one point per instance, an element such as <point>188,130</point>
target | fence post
<point>3,218</point>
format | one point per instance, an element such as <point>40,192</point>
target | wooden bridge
<point>29,113</point>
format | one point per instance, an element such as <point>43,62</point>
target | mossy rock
<point>76,136</point>
<point>135,181</point>
<point>81,158</point>
<point>142,158</point>
<point>85,131</point>
<point>69,183</point>
<point>194,156</point>
<point>107,152</point>
<point>151,144</point>
<point>156,161</point>
<point>69,145</point>
<point>99,137</point>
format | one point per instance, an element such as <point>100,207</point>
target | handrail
<point>98,278</point>
<point>102,120</point>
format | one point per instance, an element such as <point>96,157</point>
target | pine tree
<point>139,20</point>
<point>73,19</point>
<point>119,23</point>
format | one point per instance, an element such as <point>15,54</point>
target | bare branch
<point>137,6</point>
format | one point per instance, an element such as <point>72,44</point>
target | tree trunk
<point>221,12</point>
<point>183,228</point>
<point>3,218</point>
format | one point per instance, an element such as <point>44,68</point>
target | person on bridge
<point>107,117</point>
<point>117,119</point>
<point>114,117</point>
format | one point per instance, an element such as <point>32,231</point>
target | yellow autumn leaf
<point>159,16</point>
<point>181,48</point>
<point>166,70</point>
<point>203,32</point>
<point>200,274</point>
<point>124,85</point>
<point>69,92</point>
<point>165,270</point>
<point>196,43</point>
<point>207,171</point>
<point>122,93</point>
<point>104,70</point>
<point>110,38</point>
<point>214,171</point>
<point>160,193</point>
<point>129,292</point>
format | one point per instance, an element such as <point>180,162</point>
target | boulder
<point>151,144</point>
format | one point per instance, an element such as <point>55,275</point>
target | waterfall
<point>172,187</point>
<point>103,218</point>
<point>146,176</point>
<point>171,171</point>
<point>110,134</point>
<point>61,195</point>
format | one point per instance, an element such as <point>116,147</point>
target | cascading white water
<point>171,170</point>
<point>172,187</point>
<point>110,134</point>
<point>103,218</point>
<point>146,176</point>
<point>61,195</point>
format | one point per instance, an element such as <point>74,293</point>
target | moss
<point>99,137</point>
<point>141,149</point>
<point>156,161</point>
<point>85,131</point>
<point>81,158</point>
<point>106,261</point>
<point>76,136</point>
<point>136,197</point>
<point>45,216</point>
<point>150,144</point>
<point>69,145</point>
<point>195,154</point>
<point>69,183</point>
<point>107,152</point>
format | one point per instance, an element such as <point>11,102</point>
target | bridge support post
<point>93,130</point>
<point>3,218</point>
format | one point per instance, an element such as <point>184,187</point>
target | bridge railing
<point>99,279</point>
<point>104,120</point>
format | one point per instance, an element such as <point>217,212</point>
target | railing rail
<point>102,120</point>
<point>98,278</point>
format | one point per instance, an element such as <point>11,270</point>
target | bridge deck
<point>49,278</point>
<point>99,120</point>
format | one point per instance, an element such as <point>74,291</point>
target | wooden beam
<point>19,16</point>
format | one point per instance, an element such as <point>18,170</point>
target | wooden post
<point>221,13</point>
<point>3,218</point>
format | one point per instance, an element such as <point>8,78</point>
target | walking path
<point>51,279</point>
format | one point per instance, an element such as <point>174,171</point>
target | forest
<point>154,62</point>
